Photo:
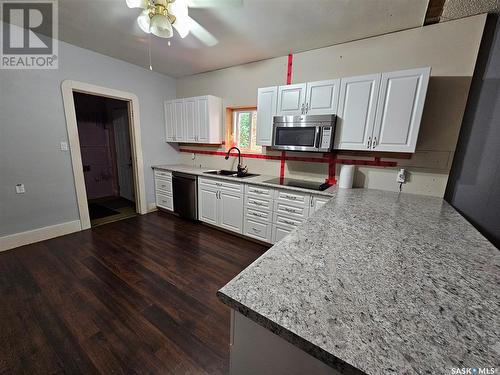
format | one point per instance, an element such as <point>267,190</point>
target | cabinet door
<point>291,99</point>
<point>208,205</point>
<point>399,110</point>
<point>280,232</point>
<point>316,203</point>
<point>202,120</point>
<point>169,122</point>
<point>190,119</point>
<point>266,110</point>
<point>356,112</point>
<point>322,97</point>
<point>231,211</point>
<point>178,110</point>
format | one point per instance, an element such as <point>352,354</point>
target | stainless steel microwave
<point>304,133</point>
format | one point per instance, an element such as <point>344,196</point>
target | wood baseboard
<point>12,241</point>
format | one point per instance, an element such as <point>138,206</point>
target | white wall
<point>32,125</point>
<point>450,48</point>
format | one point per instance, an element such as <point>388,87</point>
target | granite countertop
<point>380,283</point>
<point>256,180</point>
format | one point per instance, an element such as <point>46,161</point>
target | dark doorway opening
<point>104,135</point>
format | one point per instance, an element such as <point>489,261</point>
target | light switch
<point>20,189</point>
<point>64,146</point>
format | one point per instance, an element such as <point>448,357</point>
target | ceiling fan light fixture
<point>161,26</point>
<point>137,4</point>
<point>144,21</point>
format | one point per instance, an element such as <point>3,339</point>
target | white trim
<point>40,234</point>
<point>152,207</point>
<point>68,87</point>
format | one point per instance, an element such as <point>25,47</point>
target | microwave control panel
<point>326,137</point>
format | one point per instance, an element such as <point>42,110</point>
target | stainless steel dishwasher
<point>185,192</point>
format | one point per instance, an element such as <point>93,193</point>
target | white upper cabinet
<point>180,130</point>
<point>322,97</point>
<point>190,121</point>
<point>311,98</point>
<point>194,120</point>
<point>291,99</point>
<point>169,122</point>
<point>356,112</point>
<point>399,110</point>
<point>266,110</point>
<point>203,125</point>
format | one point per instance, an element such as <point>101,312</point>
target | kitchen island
<point>377,282</point>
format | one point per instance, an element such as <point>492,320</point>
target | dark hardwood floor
<point>134,296</point>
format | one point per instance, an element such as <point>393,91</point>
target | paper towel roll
<point>346,176</point>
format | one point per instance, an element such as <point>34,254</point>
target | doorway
<point>103,132</point>
<point>109,170</point>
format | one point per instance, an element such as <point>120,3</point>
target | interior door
<point>190,119</point>
<point>202,120</point>
<point>123,153</point>
<point>169,122</point>
<point>399,110</point>
<point>231,211</point>
<point>266,110</point>
<point>208,205</point>
<point>356,112</point>
<point>178,107</point>
<point>291,99</point>
<point>322,97</point>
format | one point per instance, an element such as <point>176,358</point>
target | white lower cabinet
<point>163,189</point>
<point>316,203</point>
<point>207,204</point>
<point>280,232</point>
<point>221,203</point>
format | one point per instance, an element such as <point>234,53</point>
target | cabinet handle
<point>256,230</point>
<point>259,192</point>
<point>311,201</point>
<point>374,142</point>
<point>369,142</point>
<point>287,222</point>
<point>256,203</point>
<point>307,107</point>
<point>290,210</point>
<point>302,108</point>
<point>291,197</point>
<point>256,214</point>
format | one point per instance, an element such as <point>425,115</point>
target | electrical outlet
<point>64,146</point>
<point>401,179</point>
<point>20,189</point>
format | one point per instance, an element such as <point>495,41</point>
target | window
<point>244,130</point>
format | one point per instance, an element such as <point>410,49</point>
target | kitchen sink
<point>224,172</point>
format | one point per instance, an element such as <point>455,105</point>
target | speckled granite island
<point>379,283</point>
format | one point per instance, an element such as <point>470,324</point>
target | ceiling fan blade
<point>202,34</point>
<point>214,3</point>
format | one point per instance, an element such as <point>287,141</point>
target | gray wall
<point>474,183</point>
<point>32,125</point>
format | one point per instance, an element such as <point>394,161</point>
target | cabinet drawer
<point>165,201</point>
<point>163,185</point>
<point>289,210</point>
<point>163,174</point>
<point>235,187</point>
<point>263,216</point>
<point>257,229</point>
<point>286,220</point>
<point>292,197</point>
<point>259,203</point>
<point>259,191</point>
<point>279,232</point>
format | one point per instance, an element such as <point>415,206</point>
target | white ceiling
<point>256,30</point>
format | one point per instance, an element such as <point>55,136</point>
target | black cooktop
<point>298,183</point>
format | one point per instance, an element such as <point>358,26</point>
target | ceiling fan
<point>160,17</point>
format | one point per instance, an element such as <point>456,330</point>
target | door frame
<point>68,87</point>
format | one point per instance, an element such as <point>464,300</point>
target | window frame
<point>232,131</point>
